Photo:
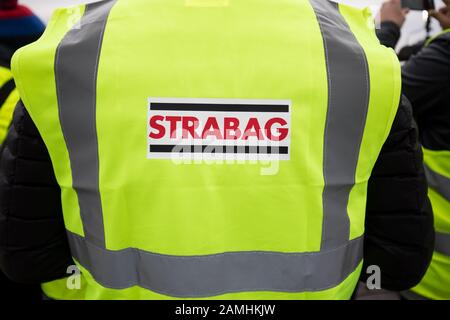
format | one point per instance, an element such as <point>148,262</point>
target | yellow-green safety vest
<point>119,89</point>
<point>436,282</point>
<point>9,96</point>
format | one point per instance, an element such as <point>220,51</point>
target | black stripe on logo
<point>160,148</point>
<point>172,106</point>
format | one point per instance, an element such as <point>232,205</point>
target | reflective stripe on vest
<point>77,112</point>
<point>202,276</point>
<point>442,243</point>
<point>438,182</point>
<point>436,282</point>
<point>342,132</point>
<point>210,275</point>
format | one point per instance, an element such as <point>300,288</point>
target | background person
<point>426,83</point>
<point>18,27</point>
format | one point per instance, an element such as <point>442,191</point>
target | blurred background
<point>413,30</point>
<point>44,8</point>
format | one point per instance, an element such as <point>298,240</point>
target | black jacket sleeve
<point>388,34</point>
<point>33,242</point>
<point>426,83</point>
<point>399,221</point>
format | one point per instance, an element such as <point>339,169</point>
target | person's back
<point>223,83</point>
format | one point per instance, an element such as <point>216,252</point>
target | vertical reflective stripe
<point>76,65</point>
<point>442,243</point>
<point>438,182</point>
<point>441,185</point>
<point>348,103</point>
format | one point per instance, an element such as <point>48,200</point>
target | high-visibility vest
<point>436,282</point>
<point>296,98</point>
<point>9,96</point>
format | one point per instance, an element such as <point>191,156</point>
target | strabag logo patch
<point>219,128</point>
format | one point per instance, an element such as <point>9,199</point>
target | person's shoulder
<point>446,38</point>
<point>439,49</point>
<point>442,39</point>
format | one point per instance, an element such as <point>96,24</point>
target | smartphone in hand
<point>419,5</point>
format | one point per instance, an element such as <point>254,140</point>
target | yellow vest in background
<point>130,96</point>
<point>9,97</point>
<point>436,282</point>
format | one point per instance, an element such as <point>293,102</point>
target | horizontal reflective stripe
<point>442,243</point>
<point>438,182</point>
<point>411,295</point>
<point>212,275</point>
